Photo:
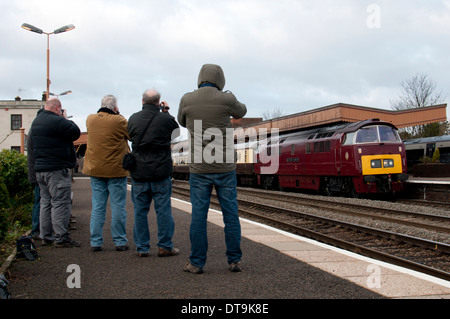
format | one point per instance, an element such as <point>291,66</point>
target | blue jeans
<point>36,209</point>
<point>116,190</point>
<point>200,188</point>
<point>142,194</point>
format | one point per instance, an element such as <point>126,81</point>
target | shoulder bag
<point>129,160</point>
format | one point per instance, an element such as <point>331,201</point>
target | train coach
<point>419,148</point>
<point>366,157</point>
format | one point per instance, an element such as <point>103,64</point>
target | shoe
<point>122,248</point>
<point>96,248</point>
<point>69,243</point>
<point>167,253</point>
<point>235,267</point>
<point>142,254</point>
<point>46,242</point>
<point>35,236</point>
<point>192,269</point>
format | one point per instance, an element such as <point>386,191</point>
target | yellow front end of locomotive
<point>381,164</point>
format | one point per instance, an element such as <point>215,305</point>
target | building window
<point>16,121</point>
<point>15,148</point>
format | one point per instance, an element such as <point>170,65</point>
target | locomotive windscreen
<point>374,134</point>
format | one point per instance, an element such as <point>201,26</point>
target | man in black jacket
<point>32,178</point>
<point>53,136</point>
<point>151,177</point>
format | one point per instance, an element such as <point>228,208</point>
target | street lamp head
<point>60,94</point>
<point>32,28</point>
<point>64,29</point>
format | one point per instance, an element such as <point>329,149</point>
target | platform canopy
<point>338,113</point>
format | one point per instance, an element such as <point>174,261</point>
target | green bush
<point>4,206</point>
<point>16,192</point>
<point>4,194</point>
<point>14,172</point>
<point>3,224</point>
<point>436,156</point>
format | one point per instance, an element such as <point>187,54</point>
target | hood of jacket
<point>212,74</point>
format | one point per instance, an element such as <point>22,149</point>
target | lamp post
<point>32,28</point>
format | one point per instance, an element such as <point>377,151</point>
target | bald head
<point>151,96</point>
<point>53,105</point>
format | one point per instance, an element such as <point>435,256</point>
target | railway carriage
<point>245,162</point>
<point>417,149</point>
<point>180,160</point>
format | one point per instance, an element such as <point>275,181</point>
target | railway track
<point>426,256</point>
<point>426,203</point>
<point>427,221</point>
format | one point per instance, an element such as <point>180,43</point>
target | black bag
<point>4,293</point>
<point>25,248</point>
<point>129,161</point>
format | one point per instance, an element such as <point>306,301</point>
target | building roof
<point>5,104</point>
<point>81,140</point>
<point>433,139</point>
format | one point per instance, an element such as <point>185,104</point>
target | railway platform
<point>429,180</point>
<point>429,188</point>
<point>276,266</point>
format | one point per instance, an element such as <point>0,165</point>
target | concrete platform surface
<point>276,266</point>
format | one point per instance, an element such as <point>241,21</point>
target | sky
<point>291,55</point>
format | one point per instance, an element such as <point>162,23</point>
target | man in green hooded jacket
<point>206,114</point>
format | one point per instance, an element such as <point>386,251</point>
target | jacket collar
<point>208,84</point>
<point>106,110</point>
<point>150,106</point>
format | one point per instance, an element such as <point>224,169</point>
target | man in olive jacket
<point>206,113</point>
<point>106,145</point>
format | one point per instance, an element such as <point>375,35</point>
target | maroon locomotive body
<point>352,158</point>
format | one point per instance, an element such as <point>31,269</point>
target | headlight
<point>375,163</point>
<point>388,163</point>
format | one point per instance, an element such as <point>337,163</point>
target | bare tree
<point>272,114</point>
<point>419,91</point>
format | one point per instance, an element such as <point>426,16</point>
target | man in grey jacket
<point>206,114</point>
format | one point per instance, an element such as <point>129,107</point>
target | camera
<point>163,106</point>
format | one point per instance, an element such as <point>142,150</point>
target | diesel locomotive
<point>365,157</point>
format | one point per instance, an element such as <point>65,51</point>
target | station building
<point>15,122</point>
